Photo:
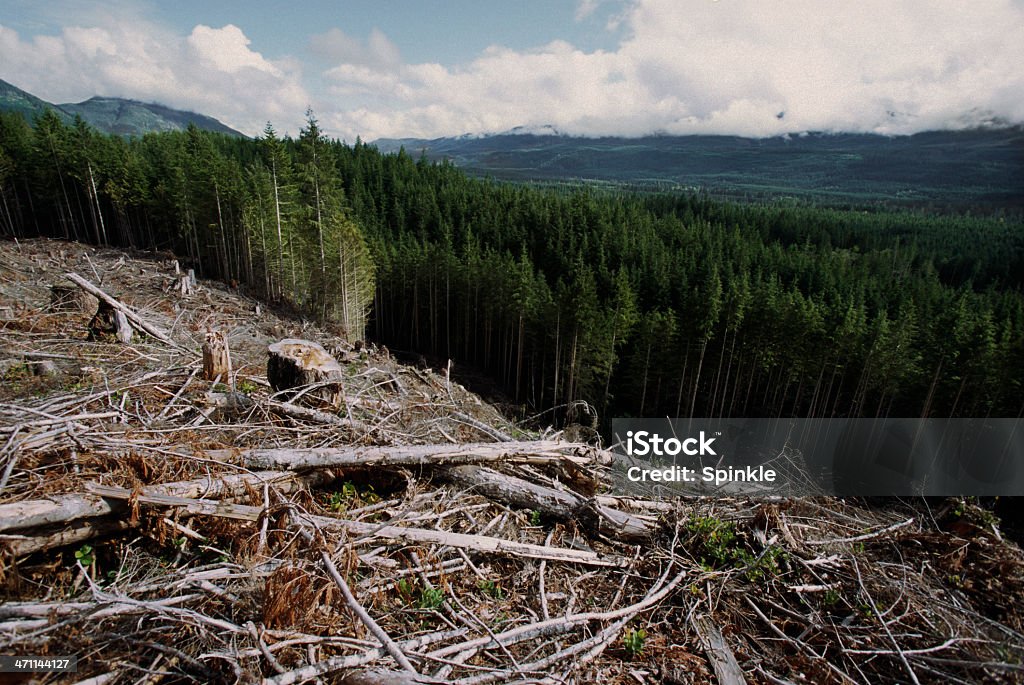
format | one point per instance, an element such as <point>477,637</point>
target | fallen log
<point>527,452</point>
<point>18,545</point>
<point>134,318</point>
<point>563,505</point>
<point>294,411</point>
<point>28,526</point>
<point>479,543</point>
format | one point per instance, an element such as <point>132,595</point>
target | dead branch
<point>478,543</point>
<point>127,311</point>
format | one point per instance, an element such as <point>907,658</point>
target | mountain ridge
<point>984,164</point>
<point>119,116</point>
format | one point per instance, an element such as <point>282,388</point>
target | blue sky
<point>587,67</point>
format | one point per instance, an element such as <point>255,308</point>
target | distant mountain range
<point>979,166</point>
<point>111,115</point>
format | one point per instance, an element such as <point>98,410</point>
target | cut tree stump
<point>69,298</point>
<point>108,321</point>
<point>295,363</point>
<point>216,357</point>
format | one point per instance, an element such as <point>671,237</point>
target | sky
<point>432,68</point>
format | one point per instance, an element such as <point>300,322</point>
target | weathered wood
<point>479,543</point>
<point>526,452</point>
<point>295,363</point>
<point>315,416</point>
<point>186,282</point>
<point>122,329</point>
<point>109,322</point>
<point>28,542</point>
<point>28,526</point>
<point>67,298</point>
<point>388,678</point>
<point>727,669</point>
<point>134,318</point>
<point>559,504</point>
<point>216,357</point>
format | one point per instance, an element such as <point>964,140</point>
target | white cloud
<point>212,70</point>
<point>227,50</point>
<point>683,66</point>
<point>732,66</point>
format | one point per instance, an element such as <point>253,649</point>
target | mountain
<point>983,165</point>
<point>131,117</point>
<point>112,115</point>
<point>14,99</point>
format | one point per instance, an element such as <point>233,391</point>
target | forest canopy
<point>635,304</point>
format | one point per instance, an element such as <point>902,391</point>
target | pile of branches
<point>168,528</point>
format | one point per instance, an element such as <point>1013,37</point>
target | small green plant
<point>534,518</point>
<point>406,589</point>
<point>85,555</point>
<point>634,641</point>
<point>335,501</point>
<point>491,589</point>
<point>831,597</point>
<point>431,598</point>
<point>718,547</point>
<point>247,387</point>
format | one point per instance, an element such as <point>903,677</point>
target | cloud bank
<point>748,67</point>
<point>213,71</point>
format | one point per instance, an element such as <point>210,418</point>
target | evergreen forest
<point>571,299</point>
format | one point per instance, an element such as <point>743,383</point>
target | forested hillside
<point>979,169</point>
<point>636,304</point>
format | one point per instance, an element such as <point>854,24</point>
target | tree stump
<point>107,322</point>
<point>69,298</point>
<point>295,363</point>
<point>187,283</point>
<point>216,357</point>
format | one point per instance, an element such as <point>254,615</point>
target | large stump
<point>296,363</point>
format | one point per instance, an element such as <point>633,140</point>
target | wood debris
<point>186,522</point>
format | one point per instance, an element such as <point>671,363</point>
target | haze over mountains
<point>119,116</point>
